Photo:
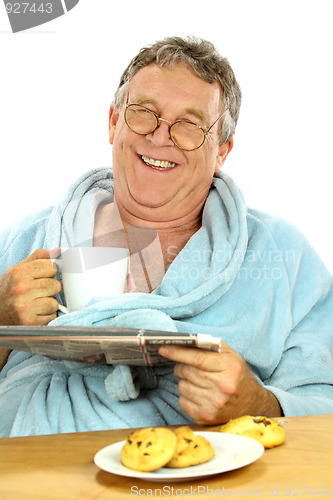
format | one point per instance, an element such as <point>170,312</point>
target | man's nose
<point>161,135</point>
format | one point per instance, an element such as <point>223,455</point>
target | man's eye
<point>145,114</point>
<point>143,111</point>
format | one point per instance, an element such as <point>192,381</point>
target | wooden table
<point>61,467</point>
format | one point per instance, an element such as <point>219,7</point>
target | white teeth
<point>158,163</point>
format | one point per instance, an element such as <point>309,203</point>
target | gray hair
<point>203,58</point>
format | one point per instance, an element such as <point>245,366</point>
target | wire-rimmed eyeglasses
<point>183,133</point>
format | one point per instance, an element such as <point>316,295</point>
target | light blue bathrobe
<point>245,276</point>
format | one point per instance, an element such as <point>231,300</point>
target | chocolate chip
<point>262,421</point>
<point>266,422</point>
<point>147,454</point>
<point>139,443</point>
<point>149,444</point>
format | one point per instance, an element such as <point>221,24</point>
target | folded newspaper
<point>103,344</point>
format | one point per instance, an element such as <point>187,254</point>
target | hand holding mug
<point>27,290</point>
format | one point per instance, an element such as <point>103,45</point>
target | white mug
<point>90,274</point>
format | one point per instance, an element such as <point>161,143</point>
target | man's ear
<point>223,151</point>
<point>113,118</point>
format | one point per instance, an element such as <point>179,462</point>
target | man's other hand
<point>215,387</point>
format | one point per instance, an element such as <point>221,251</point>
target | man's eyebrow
<point>143,99</point>
<point>197,113</point>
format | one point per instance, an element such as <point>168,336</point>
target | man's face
<point>178,189</point>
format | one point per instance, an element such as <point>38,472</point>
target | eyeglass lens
<point>185,135</point>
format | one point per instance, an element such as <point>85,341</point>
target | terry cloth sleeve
<point>303,379</point>
<point>22,238</point>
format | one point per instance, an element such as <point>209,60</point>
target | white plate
<point>231,452</point>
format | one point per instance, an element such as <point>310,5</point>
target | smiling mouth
<point>159,164</point>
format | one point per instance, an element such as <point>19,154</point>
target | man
<point>244,276</point>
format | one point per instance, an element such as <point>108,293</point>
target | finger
<point>41,268</point>
<point>200,358</point>
<point>190,408</point>
<point>47,287</point>
<point>39,311</point>
<point>192,392</point>
<point>45,320</point>
<point>40,253</point>
<point>39,288</point>
<point>197,377</point>
<point>202,413</point>
<point>44,311</point>
<point>203,392</point>
<point>205,407</point>
<point>27,271</point>
<point>45,306</point>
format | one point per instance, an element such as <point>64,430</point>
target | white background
<point>57,81</point>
